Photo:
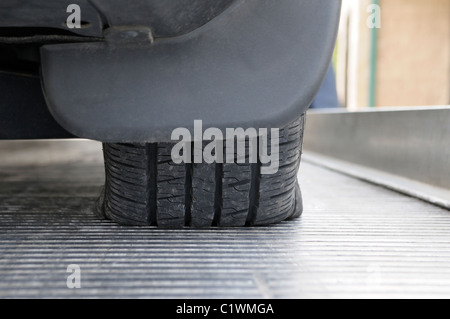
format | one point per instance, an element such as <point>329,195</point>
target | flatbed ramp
<point>355,240</point>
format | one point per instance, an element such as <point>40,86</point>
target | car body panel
<point>259,64</point>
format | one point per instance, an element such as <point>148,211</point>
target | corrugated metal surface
<point>354,240</point>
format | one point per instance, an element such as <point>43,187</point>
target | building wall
<point>414,53</point>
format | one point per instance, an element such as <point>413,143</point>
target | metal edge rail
<point>406,150</point>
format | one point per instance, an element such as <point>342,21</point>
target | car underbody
<point>129,74</point>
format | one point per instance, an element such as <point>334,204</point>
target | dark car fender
<point>258,64</point>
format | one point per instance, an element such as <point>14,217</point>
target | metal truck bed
<point>355,239</point>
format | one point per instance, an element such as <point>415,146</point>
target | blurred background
<point>391,53</point>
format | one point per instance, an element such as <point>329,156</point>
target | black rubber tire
<point>144,187</point>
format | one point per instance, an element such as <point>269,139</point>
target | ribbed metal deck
<point>354,240</point>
